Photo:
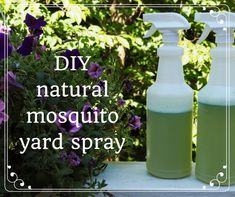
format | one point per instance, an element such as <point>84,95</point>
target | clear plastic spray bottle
<point>169,103</point>
<point>215,159</point>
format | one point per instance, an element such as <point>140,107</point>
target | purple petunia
<point>73,159</point>
<point>121,102</point>
<point>69,125</point>
<point>89,112</point>
<point>27,46</point>
<point>134,122</point>
<point>94,71</point>
<point>10,78</point>
<point>5,46</point>
<point>34,24</point>
<point>3,116</point>
<point>68,54</point>
<point>31,41</point>
<point>43,48</point>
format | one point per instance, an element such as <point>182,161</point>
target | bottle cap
<point>222,23</point>
<point>167,23</point>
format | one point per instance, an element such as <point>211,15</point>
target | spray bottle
<point>169,103</point>
<point>215,159</point>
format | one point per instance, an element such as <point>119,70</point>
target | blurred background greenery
<point>116,29</point>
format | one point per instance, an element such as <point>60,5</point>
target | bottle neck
<point>170,36</point>
<point>223,66</point>
<point>224,36</point>
<point>170,69</point>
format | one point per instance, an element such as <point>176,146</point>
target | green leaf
<point>123,42</point>
<point>94,28</point>
<point>55,16</point>
<point>75,13</point>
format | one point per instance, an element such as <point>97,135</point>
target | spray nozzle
<point>167,23</point>
<point>222,23</point>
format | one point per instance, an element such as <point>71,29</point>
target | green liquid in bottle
<point>211,144</point>
<point>169,144</point>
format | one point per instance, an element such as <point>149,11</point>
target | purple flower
<point>3,116</point>
<point>10,78</point>
<point>5,45</point>
<point>94,71</point>
<point>89,112</point>
<point>27,46</point>
<point>71,125</point>
<point>134,122</point>
<point>34,24</point>
<point>68,55</point>
<point>73,159</point>
<point>121,102</point>
<point>31,41</point>
<point>43,48</point>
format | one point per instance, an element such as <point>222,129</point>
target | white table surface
<point>129,177</point>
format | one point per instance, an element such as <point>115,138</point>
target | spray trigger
<point>150,32</point>
<point>205,33</point>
